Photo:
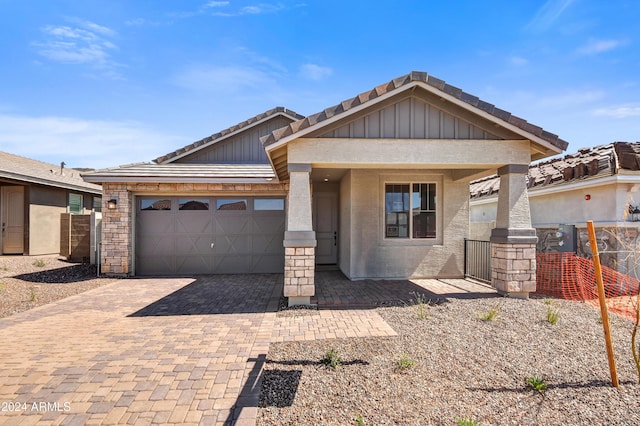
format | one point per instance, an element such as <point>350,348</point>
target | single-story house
<point>601,184</point>
<point>377,185</point>
<point>33,195</point>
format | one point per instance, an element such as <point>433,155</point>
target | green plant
<point>466,421</point>
<point>34,296</point>
<point>490,315</point>
<point>1,286</point>
<point>422,303</point>
<point>547,301</point>
<point>332,359</point>
<point>39,263</point>
<point>553,315</point>
<point>360,420</point>
<point>536,383</point>
<point>404,363</point>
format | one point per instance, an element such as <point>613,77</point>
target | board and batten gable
<point>241,148</point>
<point>411,118</point>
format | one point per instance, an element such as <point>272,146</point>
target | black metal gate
<point>477,260</point>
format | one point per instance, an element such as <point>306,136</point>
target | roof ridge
<point>398,82</point>
<point>229,130</point>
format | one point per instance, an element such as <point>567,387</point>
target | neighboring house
<point>33,195</point>
<point>377,185</point>
<point>601,184</point>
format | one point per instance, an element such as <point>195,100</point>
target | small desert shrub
<point>33,296</point>
<point>491,314</point>
<point>536,383</point>
<point>404,363</point>
<point>331,359</point>
<point>359,420</point>
<point>39,263</point>
<point>466,421</point>
<point>553,315</point>
<point>422,304</point>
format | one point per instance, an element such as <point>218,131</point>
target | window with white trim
<point>410,210</point>
<point>75,203</point>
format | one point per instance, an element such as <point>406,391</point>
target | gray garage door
<point>209,235</point>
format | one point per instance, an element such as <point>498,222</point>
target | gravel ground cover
<point>452,365</point>
<point>30,281</point>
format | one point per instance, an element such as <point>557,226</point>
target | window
<point>75,203</point>
<point>410,210</point>
<point>200,204</point>
<point>231,204</point>
<point>97,204</point>
<point>155,204</point>
<point>268,204</point>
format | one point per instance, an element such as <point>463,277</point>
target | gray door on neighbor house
<point>209,235</point>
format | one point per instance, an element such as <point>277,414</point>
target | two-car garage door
<point>209,235</point>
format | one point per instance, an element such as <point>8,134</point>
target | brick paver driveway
<point>141,351</point>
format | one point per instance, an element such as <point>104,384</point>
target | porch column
<point>513,241</point>
<point>299,238</point>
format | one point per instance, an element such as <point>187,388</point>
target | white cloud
<point>215,4</point>
<point>227,79</point>
<point>315,72</point>
<point>548,14</point>
<point>83,143</point>
<point>599,46</point>
<point>619,111</point>
<point>88,44</point>
<point>518,61</point>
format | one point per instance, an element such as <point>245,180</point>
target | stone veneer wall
<point>116,253</point>
<point>299,271</point>
<point>513,267</point>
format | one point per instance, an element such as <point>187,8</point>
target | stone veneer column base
<point>299,275</point>
<point>513,268</point>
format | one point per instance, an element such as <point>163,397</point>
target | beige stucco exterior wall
<point>345,228</point>
<point>371,255</point>
<point>46,206</point>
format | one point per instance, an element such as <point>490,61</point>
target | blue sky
<point>100,83</point>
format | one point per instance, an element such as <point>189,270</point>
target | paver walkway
<point>171,350</point>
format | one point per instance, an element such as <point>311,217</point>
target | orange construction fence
<point>568,276</point>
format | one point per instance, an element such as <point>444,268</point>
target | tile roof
<point>178,172</point>
<point>216,136</point>
<point>586,164</point>
<point>27,170</point>
<point>414,76</point>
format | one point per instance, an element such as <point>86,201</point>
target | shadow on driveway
<point>217,294</point>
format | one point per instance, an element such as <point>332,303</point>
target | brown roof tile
<point>414,76</point>
<point>587,163</point>
<point>223,133</point>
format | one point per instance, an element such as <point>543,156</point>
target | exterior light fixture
<point>112,204</point>
<point>634,212</point>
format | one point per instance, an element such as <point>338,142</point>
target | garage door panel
<point>194,223</point>
<point>193,244</point>
<point>157,245</point>
<point>155,265</point>
<point>267,263</point>
<point>178,242</point>
<point>194,265</point>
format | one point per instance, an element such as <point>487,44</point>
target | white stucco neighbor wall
<point>371,255</point>
<point>607,204</point>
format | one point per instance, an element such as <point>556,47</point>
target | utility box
<point>567,239</point>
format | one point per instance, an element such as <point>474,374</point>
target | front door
<point>325,218</point>
<point>12,219</point>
